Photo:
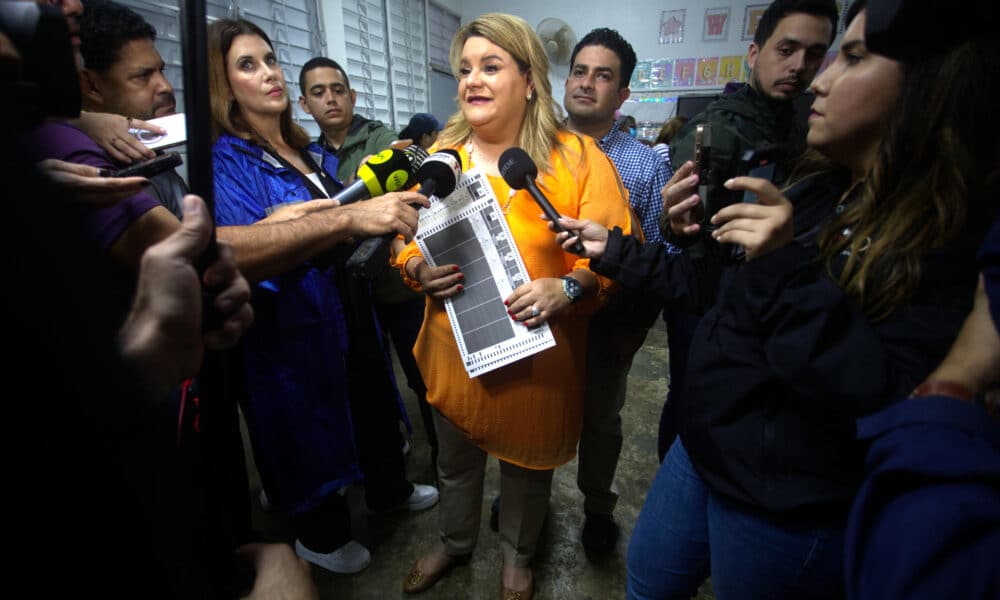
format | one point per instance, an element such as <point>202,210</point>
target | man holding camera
<point>788,49</point>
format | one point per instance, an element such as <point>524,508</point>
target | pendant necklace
<point>470,150</point>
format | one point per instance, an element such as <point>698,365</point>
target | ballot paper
<point>468,228</point>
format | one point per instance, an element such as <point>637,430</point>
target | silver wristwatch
<point>572,288</point>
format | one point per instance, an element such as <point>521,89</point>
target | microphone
<point>438,174</point>
<point>387,171</point>
<point>519,171</point>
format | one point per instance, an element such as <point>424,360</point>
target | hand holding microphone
<point>387,171</point>
<point>438,175</point>
<point>519,171</point>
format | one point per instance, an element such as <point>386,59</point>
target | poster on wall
<point>662,74</point>
<point>640,76</point>
<point>751,17</point>
<point>731,69</point>
<point>707,72</point>
<point>684,72</point>
<point>672,27</point>
<point>716,28</point>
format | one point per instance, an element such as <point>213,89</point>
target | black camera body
<point>46,83</point>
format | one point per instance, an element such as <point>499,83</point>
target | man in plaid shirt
<point>600,69</point>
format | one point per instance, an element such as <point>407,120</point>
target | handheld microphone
<point>519,171</point>
<point>387,171</point>
<point>438,174</point>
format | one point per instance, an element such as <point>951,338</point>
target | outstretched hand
<point>759,227</point>
<point>681,201</point>
<point>392,213</point>
<point>88,184</point>
<point>111,132</point>
<point>593,236</point>
<point>162,335</point>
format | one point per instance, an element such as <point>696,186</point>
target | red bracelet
<point>937,387</point>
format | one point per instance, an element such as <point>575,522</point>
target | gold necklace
<point>470,149</point>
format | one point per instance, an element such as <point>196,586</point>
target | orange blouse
<point>529,412</point>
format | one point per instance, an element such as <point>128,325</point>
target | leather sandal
<point>417,580</point>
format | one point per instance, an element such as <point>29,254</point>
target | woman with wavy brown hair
<point>321,405</point>
<point>857,279</point>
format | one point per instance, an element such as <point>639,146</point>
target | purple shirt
<point>101,225</point>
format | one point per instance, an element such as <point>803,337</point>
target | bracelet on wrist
<point>940,387</point>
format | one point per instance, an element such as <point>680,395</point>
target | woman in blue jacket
<point>322,408</point>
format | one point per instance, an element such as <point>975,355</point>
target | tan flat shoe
<point>417,580</point>
<point>509,594</point>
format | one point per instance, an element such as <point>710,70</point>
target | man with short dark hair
<point>600,70</point>
<point>789,45</point>
<point>123,75</point>
<point>328,97</point>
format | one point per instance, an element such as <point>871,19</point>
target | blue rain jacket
<point>297,410</point>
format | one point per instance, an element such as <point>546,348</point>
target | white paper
<point>176,133</point>
<point>468,228</point>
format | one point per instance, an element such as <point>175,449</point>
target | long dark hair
<point>226,113</point>
<point>939,153</point>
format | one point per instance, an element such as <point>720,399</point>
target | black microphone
<point>387,171</point>
<point>438,175</point>
<point>519,171</point>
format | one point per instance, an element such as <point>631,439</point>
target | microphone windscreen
<point>516,167</point>
<point>387,171</point>
<point>443,167</point>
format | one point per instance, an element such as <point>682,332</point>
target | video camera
<point>45,82</point>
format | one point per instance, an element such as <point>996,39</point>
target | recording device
<point>151,167</point>
<point>46,84</point>
<point>438,174</point>
<point>176,132</point>
<point>759,162</point>
<point>702,160</point>
<point>519,171</point>
<point>387,171</point>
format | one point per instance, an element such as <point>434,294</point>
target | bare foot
<point>517,579</point>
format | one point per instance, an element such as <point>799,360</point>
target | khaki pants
<point>524,498</point>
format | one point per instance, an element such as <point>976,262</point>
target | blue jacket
<point>298,407</point>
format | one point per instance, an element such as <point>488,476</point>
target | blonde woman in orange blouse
<point>527,414</point>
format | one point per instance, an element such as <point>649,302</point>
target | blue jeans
<point>686,532</point>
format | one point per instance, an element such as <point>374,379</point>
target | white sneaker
<point>423,496</point>
<point>352,557</point>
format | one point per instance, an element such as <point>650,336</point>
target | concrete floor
<point>561,569</point>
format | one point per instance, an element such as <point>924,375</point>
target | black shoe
<point>600,534</point>
<point>495,514</point>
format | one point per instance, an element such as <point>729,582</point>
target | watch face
<point>572,288</point>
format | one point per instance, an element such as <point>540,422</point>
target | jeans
<point>685,532</point>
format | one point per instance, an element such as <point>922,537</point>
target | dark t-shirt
<point>101,225</point>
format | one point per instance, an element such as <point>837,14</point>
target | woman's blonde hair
<point>226,114</point>
<point>538,134</point>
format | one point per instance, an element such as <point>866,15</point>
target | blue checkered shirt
<point>644,174</point>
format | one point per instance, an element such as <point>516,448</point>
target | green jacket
<point>363,138</point>
<point>741,121</point>
<point>367,137</point>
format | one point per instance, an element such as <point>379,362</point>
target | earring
<point>528,97</point>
